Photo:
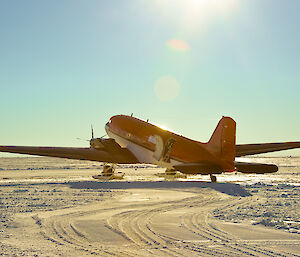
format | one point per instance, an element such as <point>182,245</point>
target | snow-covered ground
<point>51,207</point>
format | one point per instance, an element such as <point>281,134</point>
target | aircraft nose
<point>107,126</point>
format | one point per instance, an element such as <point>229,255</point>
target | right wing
<point>250,149</point>
<point>121,156</point>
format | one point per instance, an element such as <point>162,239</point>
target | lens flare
<point>178,45</point>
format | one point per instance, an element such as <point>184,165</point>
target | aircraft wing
<point>250,149</point>
<point>120,156</point>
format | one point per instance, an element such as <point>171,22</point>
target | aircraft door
<point>163,150</point>
<point>159,148</point>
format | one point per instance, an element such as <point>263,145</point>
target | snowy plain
<point>51,206</point>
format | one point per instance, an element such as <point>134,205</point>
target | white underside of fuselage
<point>143,154</point>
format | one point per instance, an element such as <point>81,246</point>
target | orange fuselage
<point>139,132</point>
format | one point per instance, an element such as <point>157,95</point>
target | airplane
<point>134,141</point>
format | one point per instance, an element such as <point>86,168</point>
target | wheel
<point>213,178</point>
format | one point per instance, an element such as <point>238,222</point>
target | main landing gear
<point>108,173</point>
<point>171,174</point>
<point>213,178</point>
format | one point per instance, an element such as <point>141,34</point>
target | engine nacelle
<point>107,144</point>
<point>96,143</point>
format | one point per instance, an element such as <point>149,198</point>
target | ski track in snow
<point>47,213</point>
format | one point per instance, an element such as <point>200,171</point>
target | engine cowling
<point>96,143</point>
<point>107,144</point>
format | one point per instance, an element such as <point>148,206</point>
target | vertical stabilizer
<point>222,143</point>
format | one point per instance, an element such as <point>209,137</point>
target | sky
<point>183,64</point>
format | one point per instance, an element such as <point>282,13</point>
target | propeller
<point>92,129</point>
<point>93,133</point>
<point>78,138</point>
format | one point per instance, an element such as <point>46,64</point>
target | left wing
<point>121,155</point>
<point>250,149</point>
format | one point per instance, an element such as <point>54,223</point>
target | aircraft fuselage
<point>144,139</point>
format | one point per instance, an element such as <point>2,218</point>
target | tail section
<point>222,143</point>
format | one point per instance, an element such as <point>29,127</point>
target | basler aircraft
<point>133,141</point>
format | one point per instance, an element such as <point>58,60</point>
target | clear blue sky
<point>65,64</point>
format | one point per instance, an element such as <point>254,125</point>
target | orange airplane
<point>135,141</point>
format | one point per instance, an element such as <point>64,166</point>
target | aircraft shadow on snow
<point>226,188</point>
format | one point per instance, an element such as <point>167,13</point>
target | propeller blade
<point>82,139</point>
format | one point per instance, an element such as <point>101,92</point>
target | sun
<point>194,16</point>
<point>197,3</point>
<point>213,6</point>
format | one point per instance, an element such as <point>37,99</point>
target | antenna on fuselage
<point>131,114</point>
<point>92,131</point>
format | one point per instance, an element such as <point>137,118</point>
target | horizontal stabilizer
<point>250,149</point>
<point>258,168</point>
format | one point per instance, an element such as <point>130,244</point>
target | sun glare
<point>164,127</point>
<point>197,3</point>
<point>203,3</point>
<point>196,14</point>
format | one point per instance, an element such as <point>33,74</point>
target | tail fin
<point>222,142</point>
